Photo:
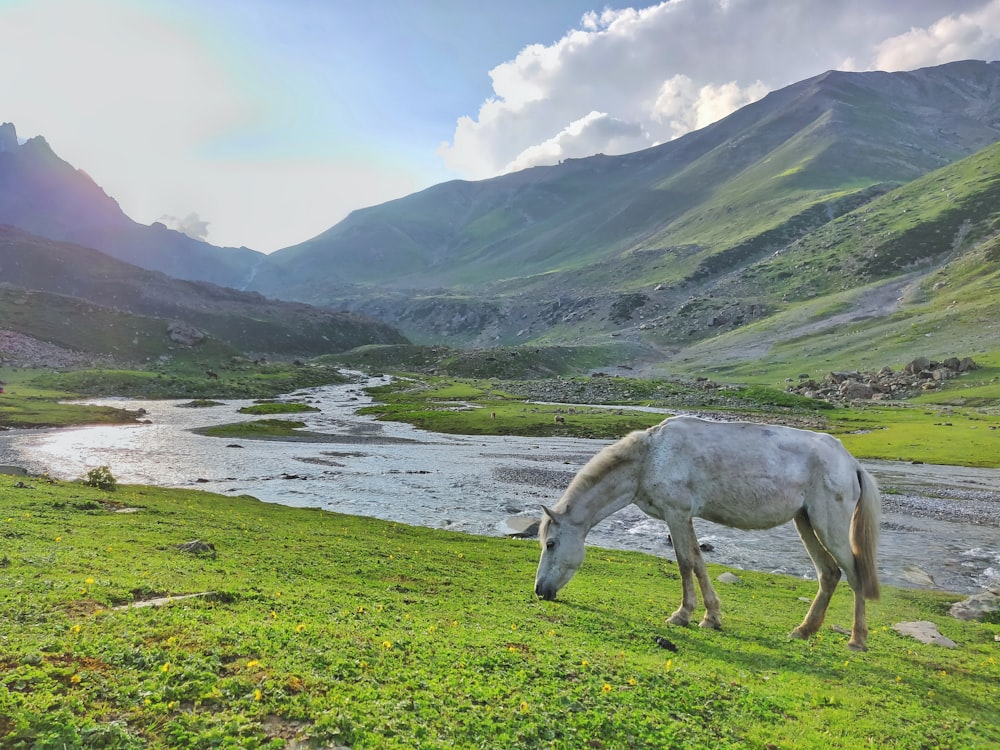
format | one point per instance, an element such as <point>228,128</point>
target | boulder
<point>925,632</point>
<point>921,374</point>
<point>184,334</point>
<point>916,365</point>
<point>523,527</point>
<point>916,576</point>
<point>976,606</point>
<point>967,364</point>
<point>852,390</point>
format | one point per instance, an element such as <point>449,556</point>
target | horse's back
<point>743,474</point>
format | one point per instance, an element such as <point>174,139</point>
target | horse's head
<point>562,553</point>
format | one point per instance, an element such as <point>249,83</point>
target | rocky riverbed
<point>940,524</point>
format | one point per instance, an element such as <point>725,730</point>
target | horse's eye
<point>550,543</point>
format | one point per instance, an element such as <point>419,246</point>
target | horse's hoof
<point>678,620</point>
<point>798,635</point>
<point>713,624</point>
<point>856,646</point>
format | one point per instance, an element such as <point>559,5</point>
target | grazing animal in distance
<point>739,474</point>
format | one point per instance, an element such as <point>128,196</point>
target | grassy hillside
<point>345,631</point>
<point>83,299</point>
<point>758,171</point>
<point>89,327</point>
<point>914,272</point>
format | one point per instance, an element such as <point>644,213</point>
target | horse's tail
<point>864,534</point>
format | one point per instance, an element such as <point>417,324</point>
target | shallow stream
<point>933,524</point>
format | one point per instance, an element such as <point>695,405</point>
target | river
<point>939,522</point>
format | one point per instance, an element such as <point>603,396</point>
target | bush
<point>101,478</point>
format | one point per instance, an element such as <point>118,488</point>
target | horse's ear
<point>550,514</point>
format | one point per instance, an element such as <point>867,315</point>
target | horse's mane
<point>629,448</point>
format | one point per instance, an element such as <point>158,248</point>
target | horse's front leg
<point>713,607</point>
<point>689,599</point>
<point>690,561</point>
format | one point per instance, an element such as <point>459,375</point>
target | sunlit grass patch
<point>369,634</point>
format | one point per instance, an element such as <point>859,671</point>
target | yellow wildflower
<point>253,663</point>
<point>75,679</point>
<point>386,644</point>
<point>606,688</point>
<point>165,667</point>
<point>257,694</point>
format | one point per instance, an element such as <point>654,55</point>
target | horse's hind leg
<point>834,539</point>
<point>690,561</point>
<point>828,572</point>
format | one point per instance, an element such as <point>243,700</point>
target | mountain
<point>571,251</point>
<point>59,292</point>
<point>914,272</point>
<point>45,195</point>
<point>858,200</point>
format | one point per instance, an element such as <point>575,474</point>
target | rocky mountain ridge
<point>43,194</point>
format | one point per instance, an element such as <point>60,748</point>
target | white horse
<point>740,474</point>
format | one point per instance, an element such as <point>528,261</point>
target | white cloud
<point>661,71</point>
<point>973,35</point>
<point>192,225</point>
<point>584,137</point>
<point>683,106</point>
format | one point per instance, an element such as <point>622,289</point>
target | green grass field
<point>353,632</point>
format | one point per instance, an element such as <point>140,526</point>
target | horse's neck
<point>611,494</point>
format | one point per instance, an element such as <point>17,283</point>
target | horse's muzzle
<point>544,593</point>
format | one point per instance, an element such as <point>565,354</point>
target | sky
<point>264,122</point>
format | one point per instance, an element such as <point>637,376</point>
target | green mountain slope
<point>914,272</point>
<point>75,297</point>
<point>808,145</point>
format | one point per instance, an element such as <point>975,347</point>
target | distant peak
<point>8,137</point>
<point>38,142</point>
